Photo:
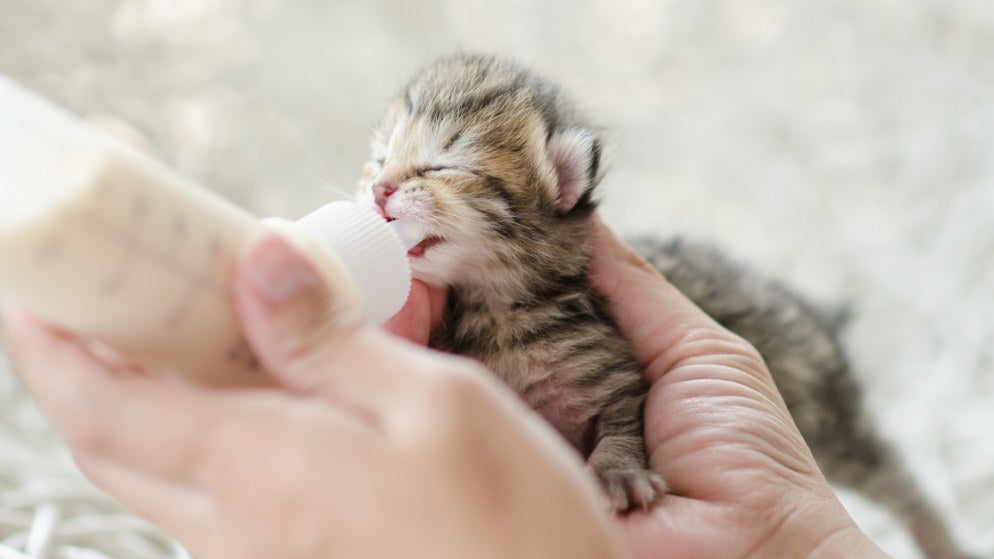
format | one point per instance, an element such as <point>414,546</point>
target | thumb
<point>291,319</point>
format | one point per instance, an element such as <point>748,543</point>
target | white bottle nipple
<point>373,251</point>
<point>151,255</point>
<point>409,233</point>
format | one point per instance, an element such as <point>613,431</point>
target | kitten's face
<point>470,196</point>
<point>467,154</point>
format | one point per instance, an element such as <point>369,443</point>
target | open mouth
<point>420,248</point>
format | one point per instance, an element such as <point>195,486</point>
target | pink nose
<point>383,190</point>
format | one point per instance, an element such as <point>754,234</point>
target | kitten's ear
<point>575,155</point>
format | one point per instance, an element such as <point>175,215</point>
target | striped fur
<point>497,163</point>
<point>500,169</point>
<point>802,348</point>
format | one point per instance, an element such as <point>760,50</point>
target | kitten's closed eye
<point>422,171</point>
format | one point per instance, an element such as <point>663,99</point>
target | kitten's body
<point>500,168</point>
<point>801,346</point>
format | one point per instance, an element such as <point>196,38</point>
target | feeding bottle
<point>111,246</point>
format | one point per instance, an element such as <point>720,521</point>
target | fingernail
<point>278,271</point>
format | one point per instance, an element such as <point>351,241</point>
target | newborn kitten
<point>500,168</point>
<point>801,346</point>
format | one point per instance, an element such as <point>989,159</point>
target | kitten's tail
<point>879,473</point>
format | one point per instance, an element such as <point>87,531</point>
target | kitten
<point>801,346</point>
<point>500,169</point>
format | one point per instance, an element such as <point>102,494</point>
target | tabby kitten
<point>500,168</point>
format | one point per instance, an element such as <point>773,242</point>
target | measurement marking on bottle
<point>112,284</point>
<point>180,312</point>
<point>214,249</point>
<point>51,247</point>
<point>145,240</point>
<point>139,206</point>
<point>179,227</point>
<point>130,248</point>
<point>239,353</point>
<point>137,253</point>
<point>186,304</point>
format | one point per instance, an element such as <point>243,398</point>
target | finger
<point>181,510</point>
<point>310,338</point>
<point>421,313</point>
<point>81,396</point>
<point>27,335</point>
<point>709,374</point>
<point>662,324</point>
<point>174,432</point>
<point>57,367</point>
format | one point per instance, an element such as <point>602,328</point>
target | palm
<point>719,435</point>
<point>715,426</point>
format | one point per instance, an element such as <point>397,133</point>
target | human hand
<point>422,312</point>
<point>372,447</point>
<point>743,482</point>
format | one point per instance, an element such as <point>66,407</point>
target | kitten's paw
<point>630,488</point>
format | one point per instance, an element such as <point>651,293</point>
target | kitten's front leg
<point>619,457</point>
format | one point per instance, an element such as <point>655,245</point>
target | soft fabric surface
<point>843,146</point>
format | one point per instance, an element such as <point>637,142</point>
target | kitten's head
<point>495,165</point>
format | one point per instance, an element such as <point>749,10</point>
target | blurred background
<point>845,147</point>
